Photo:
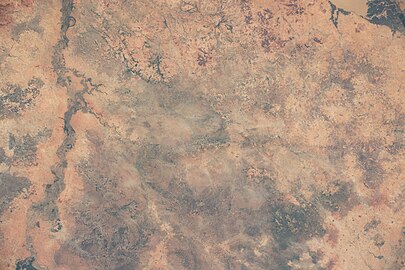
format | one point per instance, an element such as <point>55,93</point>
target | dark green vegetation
<point>10,187</point>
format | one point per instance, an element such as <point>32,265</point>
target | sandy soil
<point>218,134</point>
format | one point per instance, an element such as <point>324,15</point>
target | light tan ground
<point>220,134</point>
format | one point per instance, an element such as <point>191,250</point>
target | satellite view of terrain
<point>202,134</point>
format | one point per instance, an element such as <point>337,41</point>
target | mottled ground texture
<point>202,134</point>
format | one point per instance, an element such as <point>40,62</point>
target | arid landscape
<point>202,134</point>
